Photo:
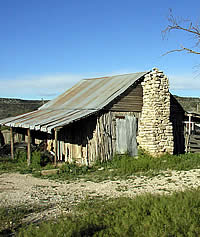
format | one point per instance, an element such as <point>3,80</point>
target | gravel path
<point>17,189</point>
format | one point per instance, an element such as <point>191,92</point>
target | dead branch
<point>181,50</point>
<point>193,30</point>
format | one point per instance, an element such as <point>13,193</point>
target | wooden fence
<point>194,144</point>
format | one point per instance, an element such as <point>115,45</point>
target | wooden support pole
<point>189,124</point>
<point>12,143</point>
<point>56,146</point>
<point>29,147</point>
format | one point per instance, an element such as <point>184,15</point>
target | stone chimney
<point>155,132</point>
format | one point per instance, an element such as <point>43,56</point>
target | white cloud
<point>184,82</point>
<point>44,86</point>
<point>50,86</point>
<point>37,87</point>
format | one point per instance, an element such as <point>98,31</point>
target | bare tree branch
<point>193,30</point>
<point>181,50</point>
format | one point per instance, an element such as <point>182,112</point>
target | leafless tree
<point>185,26</point>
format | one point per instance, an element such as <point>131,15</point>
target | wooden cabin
<point>100,117</point>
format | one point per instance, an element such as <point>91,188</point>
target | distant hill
<point>190,104</point>
<point>12,107</point>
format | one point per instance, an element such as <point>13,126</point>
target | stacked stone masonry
<point>155,133</point>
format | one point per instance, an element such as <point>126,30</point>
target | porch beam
<point>29,147</point>
<point>190,116</point>
<point>56,146</point>
<point>12,143</point>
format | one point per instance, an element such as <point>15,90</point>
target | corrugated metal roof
<point>83,99</point>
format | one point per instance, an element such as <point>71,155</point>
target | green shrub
<point>11,218</point>
<point>120,165</point>
<point>36,160</point>
<point>20,157</point>
<point>124,164</point>
<point>146,215</point>
<point>73,169</point>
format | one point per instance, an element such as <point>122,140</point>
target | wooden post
<point>56,146</point>
<point>189,124</point>
<point>29,147</point>
<point>12,143</point>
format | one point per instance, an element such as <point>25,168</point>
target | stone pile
<point>155,133</point>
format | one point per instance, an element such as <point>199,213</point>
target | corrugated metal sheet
<point>85,98</point>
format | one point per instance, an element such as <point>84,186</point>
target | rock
<point>155,122</point>
<point>49,172</point>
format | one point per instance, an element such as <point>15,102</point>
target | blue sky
<point>48,45</point>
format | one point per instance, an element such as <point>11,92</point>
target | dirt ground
<point>17,189</point>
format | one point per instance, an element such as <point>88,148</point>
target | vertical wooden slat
<point>71,152</point>
<point>56,146</point>
<point>86,156</point>
<point>189,124</point>
<point>66,152</point>
<point>29,147</point>
<point>12,143</point>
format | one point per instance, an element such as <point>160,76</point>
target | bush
<point>147,215</point>
<point>36,160</point>
<point>12,218</point>
<point>73,169</point>
<point>20,157</point>
<point>124,164</point>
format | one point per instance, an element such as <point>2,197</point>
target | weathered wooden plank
<point>195,137</point>
<point>12,143</point>
<point>131,96</point>
<point>131,100</point>
<point>130,105</point>
<point>29,147</point>
<point>194,145</point>
<point>125,109</point>
<point>56,146</point>
<point>193,150</point>
<point>193,141</point>
<point>50,172</point>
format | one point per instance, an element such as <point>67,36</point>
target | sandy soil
<point>17,189</point>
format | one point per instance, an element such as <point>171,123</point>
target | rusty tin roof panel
<point>46,120</point>
<point>83,99</point>
<point>93,93</point>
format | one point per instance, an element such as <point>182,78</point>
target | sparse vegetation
<point>12,218</point>
<point>146,215</point>
<point>189,103</point>
<point>13,107</point>
<point>121,166</point>
<point>19,164</point>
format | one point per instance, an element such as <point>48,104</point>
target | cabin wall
<point>7,137</point>
<point>131,100</point>
<point>102,146</point>
<point>86,141</point>
<point>177,119</point>
<point>89,140</point>
<point>75,141</point>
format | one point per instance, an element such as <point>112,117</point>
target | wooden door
<point>126,135</point>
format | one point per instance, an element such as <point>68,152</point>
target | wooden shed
<point>100,117</point>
